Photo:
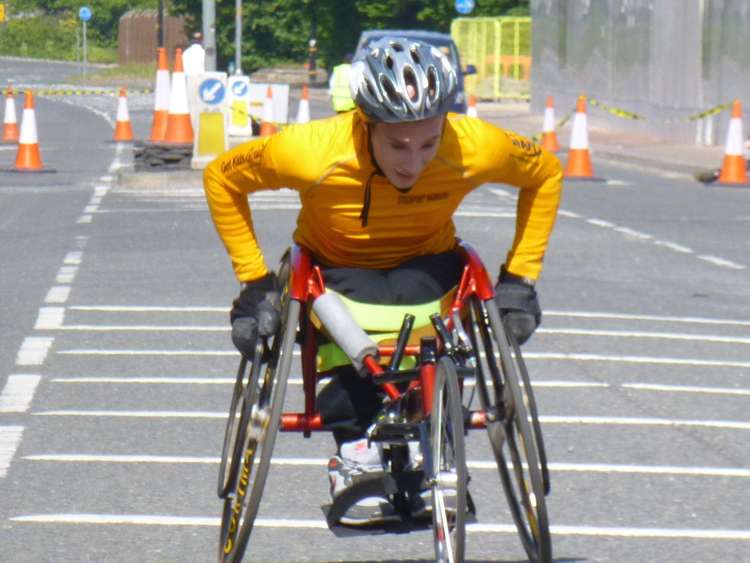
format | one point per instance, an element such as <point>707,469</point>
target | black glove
<point>516,298</point>
<point>254,312</point>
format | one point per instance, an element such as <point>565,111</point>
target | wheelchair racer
<point>378,188</point>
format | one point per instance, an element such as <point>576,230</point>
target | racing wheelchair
<point>422,369</point>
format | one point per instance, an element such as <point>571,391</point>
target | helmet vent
<point>410,82</point>
<point>396,46</point>
<point>389,62</point>
<point>431,83</point>
<point>389,90</point>
<point>414,55</point>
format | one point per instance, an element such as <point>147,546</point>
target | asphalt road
<point>116,369</point>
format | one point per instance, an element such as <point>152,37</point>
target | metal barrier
<point>500,49</point>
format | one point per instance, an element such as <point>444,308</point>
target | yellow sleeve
<point>519,162</point>
<point>227,181</point>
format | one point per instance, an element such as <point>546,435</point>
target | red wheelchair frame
<point>508,408</point>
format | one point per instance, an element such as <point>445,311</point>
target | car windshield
<point>446,45</point>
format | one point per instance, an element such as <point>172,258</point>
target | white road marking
<point>569,214</point>
<point>578,357</point>
<point>100,352</point>
<point>10,437</point>
<point>717,261</point>
<point>737,472</point>
<point>81,241</point>
<point>686,389</point>
<point>631,317</point>
<point>49,318</point>
<point>143,328</point>
<point>148,309</point>
<point>638,334</point>
<point>501,193</point>
<point>292,523</point>
<point>600,223</point>
<point>618,183</point>
<point>66,274</point>
<point>84,219</point>
<point>18,392</point>
<point>136,414</point>
<point>91,209</point>
<point>58,294</point>
<point>34,350</point>
<point>633,233</point>
<point>73,257</point>
<point>674,246</point>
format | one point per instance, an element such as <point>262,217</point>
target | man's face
<point>403,150</point>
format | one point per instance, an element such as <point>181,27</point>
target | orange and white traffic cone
<point>303,112</point>
<point>579,159</point>
<point>123,127</point>
<point>471,109</point>
<point>161,97</point>
<point>179,127</point>
<point>733,172</point>
<point>549,137</point>
<point>28,157</point>
<point>10,125</point>
<point>266,125</point>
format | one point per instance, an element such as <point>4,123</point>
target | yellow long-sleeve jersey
<point>328,162</point>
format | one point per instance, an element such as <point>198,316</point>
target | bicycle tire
<point>530,401</point>
<point>447,437</point>
<point>240,509</point>
<point>511,433</point>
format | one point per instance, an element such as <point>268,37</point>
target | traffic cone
<point>303,112</point>
<point>733,172</point>
<point>28,157</point>
<point>549,137</point>
<point>471,110</point>
<point>10,125</point>
<point>579,160</point>
<point>266,125</point>
<point>123,127</point>
<point>161,97</point>
<point>179,127</point>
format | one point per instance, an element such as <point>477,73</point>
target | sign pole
<point>85,51</point>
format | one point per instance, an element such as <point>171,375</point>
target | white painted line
<point>600,223</point>
<point>91,209</point>
<point>643,421</point>
<point>101,191</point>
<point>10,437</point>
<point>18,393</point>
<point>146,328</point>
<point>148,309</point>
<point>100,352</point>
<point>84,219</point>
<point>686,389</point>
<point>569,214</point>
<point>497,214</point>
<point>73,257</point>
<point>49,318</point>
<point>632,359</point>
<point>478,465</point>
<point>107,178</point>
<point>657,318</point>
<point>66,274</point>
<point>637,334</point>
<point>618,183</point>
<point>724,263</point>
<point>156,380</point>
<point>292,523</point>
<point>96,200</point>
<point>633,233</point>
<point>33,350</point>
<point>58,294</point>
<point>674,246</point>
<point>81,241</point>
<point>136,414</point>
<point>501,193</point>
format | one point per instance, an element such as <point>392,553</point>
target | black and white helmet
<point>381,73</point>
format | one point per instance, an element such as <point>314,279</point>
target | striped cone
<point>123,127</point>
<point>471,109</point>
<point>549,137</point>
<point>579,159</point>
<point>303,112</point>
<point>266,124</point>
<point>179,127</point>
<point>161,97</point>
<point>733,172</point>
<point>28,157</point>
<point>10,125</point>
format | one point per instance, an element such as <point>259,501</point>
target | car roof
<point>413,33</point>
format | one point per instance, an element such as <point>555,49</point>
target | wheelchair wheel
<point>261,427</point>
<point>446,470</point>
<point>510,430</point>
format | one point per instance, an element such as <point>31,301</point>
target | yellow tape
<point>712,111</point>
<point>57,92</point>
<point>538,137</point>
<point>624,114</point>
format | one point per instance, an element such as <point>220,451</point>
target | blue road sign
<point>240,89</point>
<point>211,91</point>
<point>464,6</point>
<point>84,13</point>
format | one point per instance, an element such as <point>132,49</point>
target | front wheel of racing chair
<point>506,398</point>
<point>255,435</point>
<point>445,467</point>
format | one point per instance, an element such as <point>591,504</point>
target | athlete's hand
<point>518,303</point>
<point>254,312</point>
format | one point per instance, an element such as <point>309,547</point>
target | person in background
<point>194,57</point>
<point>338,86</point>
